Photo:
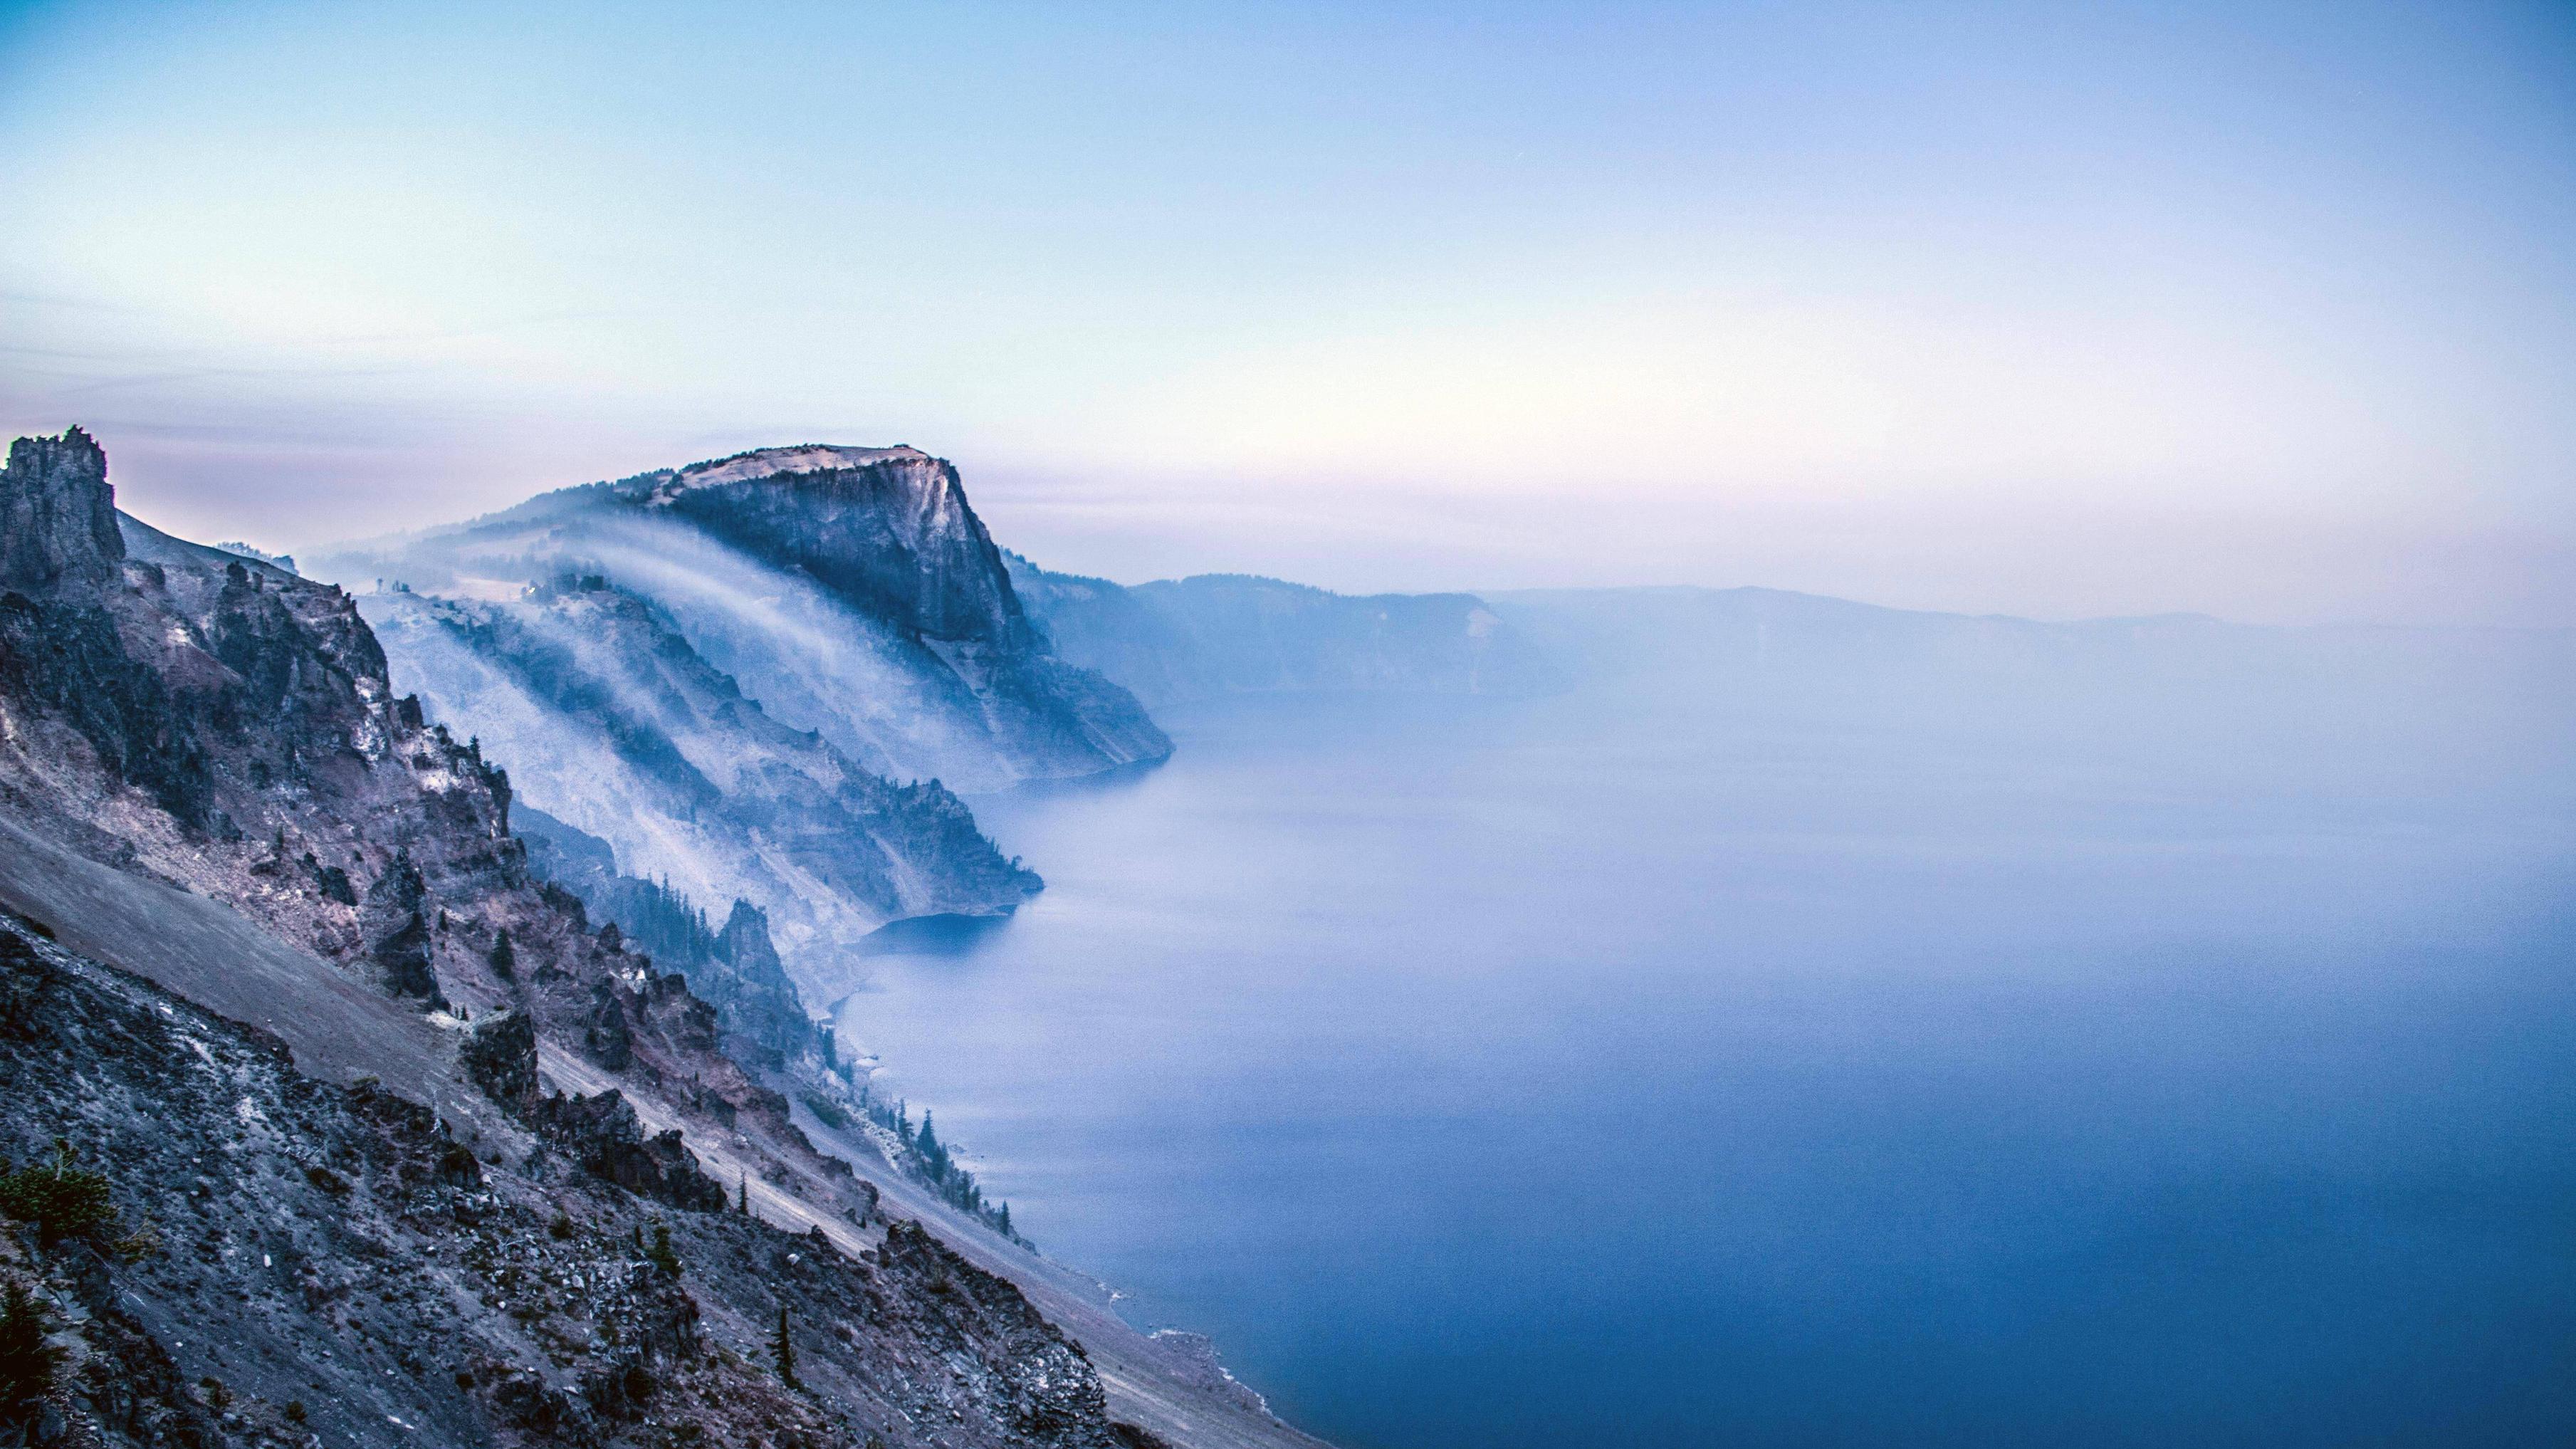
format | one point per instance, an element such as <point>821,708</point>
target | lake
<point>1700,1057</point>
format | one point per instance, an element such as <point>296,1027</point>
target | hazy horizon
<point>2265,315</point>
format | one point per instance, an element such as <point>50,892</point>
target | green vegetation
<point>27,1361</point>
<point>63,1201</point>
<point>660,1253</point>
<point>829,1113</point>
<point>785,1348</point>
<point>929,1160</point>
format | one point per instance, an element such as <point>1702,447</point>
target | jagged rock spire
<point>57,514</point>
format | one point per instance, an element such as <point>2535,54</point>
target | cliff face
<point>1219,634</point>
<point>885,529</point>
<point>266,823</point>
<point>57,522</point>
<point>851,592</point>
<point>612,722</point>
<point>734,967</point>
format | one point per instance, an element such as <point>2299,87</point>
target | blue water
<point>1645,1066</point>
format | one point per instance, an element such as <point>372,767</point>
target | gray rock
<point>57,521</point>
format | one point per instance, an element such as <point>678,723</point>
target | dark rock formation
<point>57,523</point>
<point>501,1058</point>
<point>604,1135</point>
<point>605,1036</point>
<point>886,529</point>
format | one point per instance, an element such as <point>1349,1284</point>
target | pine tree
<point>27,1361</point>
<point>505,957</point>
<point>743,1204</point>
<point>785,1348</point>
<point>1005,1222</point>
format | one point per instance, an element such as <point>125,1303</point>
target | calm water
<point>1637,1067</point>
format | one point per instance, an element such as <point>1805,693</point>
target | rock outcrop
<point>852,592</point>
<point>886,529</point>
<point>57,521</point>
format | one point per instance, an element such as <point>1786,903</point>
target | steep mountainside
<point>1216,634</point>
<point>238,1254</point>
<point>418,1191</point>
<point>851,591</point>
<point>734,967</point>
<point>610,721</point>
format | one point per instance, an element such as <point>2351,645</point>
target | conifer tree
<point>27,1359</point>
<point>505,957</point>
<point>785,1348</point>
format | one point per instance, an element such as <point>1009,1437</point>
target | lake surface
<point>1655,1064</point>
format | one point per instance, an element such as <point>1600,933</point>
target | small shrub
<point>295,1411</point>
<point>63,1201</point>
<point>458,1166</point>
<point>638,1383</point>
<point>327,1180</point>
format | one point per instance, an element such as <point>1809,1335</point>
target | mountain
<point>851,591</point>
<point>331,1116</point>
<point>1214,634</point>
<point>611,722</point>
<point>2184,679</point>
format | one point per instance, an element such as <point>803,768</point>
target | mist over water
<point>1810,1029</point>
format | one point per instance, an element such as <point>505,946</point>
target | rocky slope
<point>851,591</point>
<point>454,1092</point>
<point>1217,634</point>
<point>232,1252</point>
<point>609,721</point>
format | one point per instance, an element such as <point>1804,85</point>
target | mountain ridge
<point>208,779</point>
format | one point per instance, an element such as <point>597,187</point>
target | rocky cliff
<point>611,722</point>
<point>850,591</point>
<point>460,1109</point>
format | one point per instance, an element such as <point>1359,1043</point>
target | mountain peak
<point>774,462</point>
<point>57,514</point>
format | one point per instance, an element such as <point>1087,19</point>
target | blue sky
<point>2266,311</point>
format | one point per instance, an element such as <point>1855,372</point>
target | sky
<point>2059,310</point>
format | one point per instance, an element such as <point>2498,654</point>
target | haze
<point>2012,308</point>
